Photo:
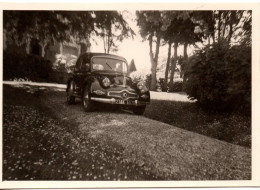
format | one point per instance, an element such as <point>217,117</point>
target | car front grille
<point>124,94</point>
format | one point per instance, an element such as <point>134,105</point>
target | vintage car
<point>99,77</point>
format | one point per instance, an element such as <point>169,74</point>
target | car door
<point>77,75</point>
<point>81,73</point>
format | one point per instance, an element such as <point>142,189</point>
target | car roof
<point>89,55</point>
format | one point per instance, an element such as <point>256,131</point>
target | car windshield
<point>109,64</point>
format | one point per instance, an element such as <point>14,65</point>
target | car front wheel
<point>86,101</point>
<point>70,92</point>
<point>139,110</point>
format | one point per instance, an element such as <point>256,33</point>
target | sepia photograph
<point>149,94</point>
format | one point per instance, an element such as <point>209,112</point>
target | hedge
<point>219,76</point>
<point>20,65</point>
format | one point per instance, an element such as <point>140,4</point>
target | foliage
<point>112,27</point>
<point>233,26</point>
<point>151,26</point>
<point>177,86</point>
<point>50,26</point>
<point>21,65</point>
<point>44,26</point>
<point>160,25</point>
<point>137,76</point>
<point>64,63</point>
<point>219,76</point>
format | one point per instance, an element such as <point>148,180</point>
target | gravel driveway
<point>126,146</point>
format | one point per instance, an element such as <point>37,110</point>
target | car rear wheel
<point>70,92</point>
<point>139,110</point>
<point>86,101</point>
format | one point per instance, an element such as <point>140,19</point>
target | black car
<point>99,77</point>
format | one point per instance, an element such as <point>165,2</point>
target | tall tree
<point>49,26</point>
<point>45,26</point>
<point>150,23</point>
<point>153,25</point>
<point>189,37</point>
<point>206,24</point>
<point>112,27</point>
<point>179,31</point>
<point>165,82</point>
<point>218,25</point>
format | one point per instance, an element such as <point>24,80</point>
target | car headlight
<point>106,82</point>
<point>141,86</point>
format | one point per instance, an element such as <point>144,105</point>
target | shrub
<point>220,76</point>
<point>177,86</point>
<point>141,76</point>
<point>20,65</point>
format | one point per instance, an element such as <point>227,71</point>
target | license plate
<point>126,102</point>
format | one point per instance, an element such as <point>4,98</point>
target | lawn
<point>175,109</point>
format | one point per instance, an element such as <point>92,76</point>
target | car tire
<point>70,91</point>
<point>86,101</point>
<point>139,110</point>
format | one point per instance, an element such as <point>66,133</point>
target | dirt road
<point>108,144</point>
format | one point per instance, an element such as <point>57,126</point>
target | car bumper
<point>114,101</point>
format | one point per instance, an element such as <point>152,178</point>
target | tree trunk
<point>61,48</point>
<point>154,60</point>
<point>225,15</point>
<point>185,55</point>
<point>173,66</point>
<point>43,45</point>
<point>219,23</point>
<point>213,32</point>
<point>213,37</point>
<point>109,40</point>
<point>104,42</point>
<point>28,45</point>
<point>230,27</point>
<point>151,56</point>
<point>165,83</point>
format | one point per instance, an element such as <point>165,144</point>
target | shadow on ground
<point>230,127</point>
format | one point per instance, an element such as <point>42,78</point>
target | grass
<point>234,128</point>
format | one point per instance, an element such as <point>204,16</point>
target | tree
<point>112,27</point>
<point>217,25</point>
<point>179,31</point>
<point>165,82</point>
<point>219,74</point>
<point>190,37</point>
<point>49,26</point>
<point>150,23</point>
<point>45,26</point>
<point>153,25</point>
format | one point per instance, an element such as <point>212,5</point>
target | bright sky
<point>135,48</point>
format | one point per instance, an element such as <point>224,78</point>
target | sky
<point>136,48</point>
